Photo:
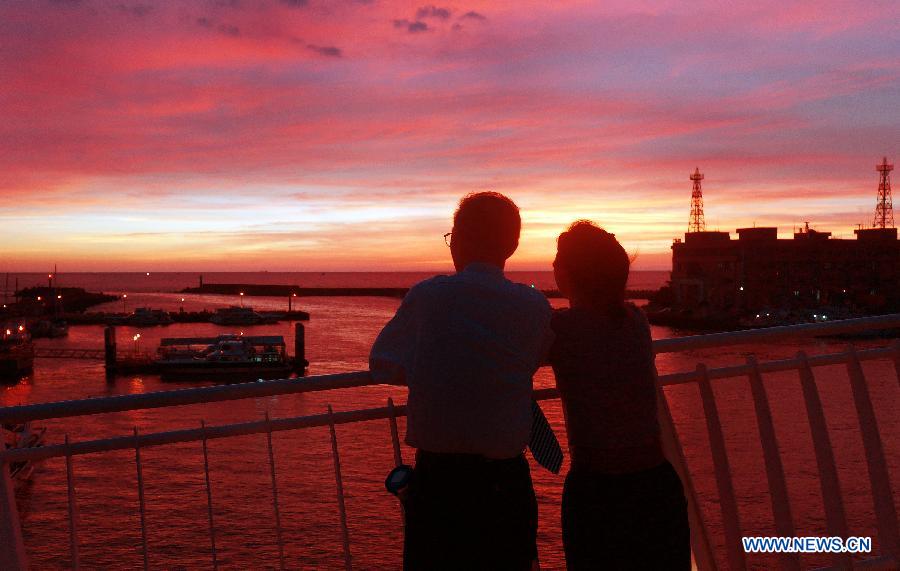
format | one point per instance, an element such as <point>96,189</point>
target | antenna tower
<point>884,210</point>
<point>697,222</point>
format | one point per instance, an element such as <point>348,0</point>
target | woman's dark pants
<point>625,521</point>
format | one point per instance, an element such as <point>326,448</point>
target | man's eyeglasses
<point>447,238</point>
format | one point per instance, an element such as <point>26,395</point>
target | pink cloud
<point>568,106</point>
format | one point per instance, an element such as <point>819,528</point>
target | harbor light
<point>59,297</point>
<point>148,273</point>
<point>741,288</point>
<point>39,298</point>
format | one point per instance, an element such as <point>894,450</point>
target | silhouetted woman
<point>623,506</point>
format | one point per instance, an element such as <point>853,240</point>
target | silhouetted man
<point>467,346</point>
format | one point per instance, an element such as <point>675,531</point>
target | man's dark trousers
<point>464,511</point>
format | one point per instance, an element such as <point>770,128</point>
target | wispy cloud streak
<point>354,115</point>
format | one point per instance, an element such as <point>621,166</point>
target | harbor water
<point>338,337</point>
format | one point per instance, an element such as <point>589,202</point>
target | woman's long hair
<point>597,266</point>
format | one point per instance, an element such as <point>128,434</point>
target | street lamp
<point>124,297</point>
<point>289,301</point>
<point>182,305</point>
<point>242,299</point>
<point>136,338</point>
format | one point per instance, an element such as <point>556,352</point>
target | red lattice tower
<point>697,223</point>
<point>884,211</point>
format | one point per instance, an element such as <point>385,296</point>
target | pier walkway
<point>886,549</point>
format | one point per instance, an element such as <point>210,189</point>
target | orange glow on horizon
<point>290,137</point>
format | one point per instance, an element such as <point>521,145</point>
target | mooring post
<point>109,349</point>
<point>300,361</point>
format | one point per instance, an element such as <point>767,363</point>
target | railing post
<point>882,496</point>
<point>73,507</point>
<point>140,483</point>
<point>731,523</point>
<point>278,535</point>
<point>12,553</point>
<point>700,547</point>
<point>395,436</point>
<point>781,505</point>
<point>209,500</point>
<point>835,518</point>
<point>339,483</point>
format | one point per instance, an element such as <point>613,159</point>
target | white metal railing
<point>13,556</point>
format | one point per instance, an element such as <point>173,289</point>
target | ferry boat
<point>16,352</point>
<point>226,356</point>
<point>235,315</point>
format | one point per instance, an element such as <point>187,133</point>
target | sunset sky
<point>338,135</point>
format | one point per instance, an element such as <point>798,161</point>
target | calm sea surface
<point>339,335</point>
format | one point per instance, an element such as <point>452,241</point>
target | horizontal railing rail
<point>10,530</point>
<point>120,403</point>
<point>361,415</point>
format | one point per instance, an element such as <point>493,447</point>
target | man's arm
<point>392,351</point>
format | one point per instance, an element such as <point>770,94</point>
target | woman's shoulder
<point>560,319</point>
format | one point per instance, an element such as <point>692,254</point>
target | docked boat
<point>146,317</point>
<point>240,316</point>
<point>52,328</point>
<point>22,436</point>
<point>227,356</point>
<point>16,352</point>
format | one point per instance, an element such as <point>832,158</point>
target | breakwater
<point>272,290</point>
<point>101,318</point>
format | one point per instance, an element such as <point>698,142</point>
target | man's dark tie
<point>543,443</point>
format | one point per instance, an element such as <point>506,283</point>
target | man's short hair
<point>489,223</point>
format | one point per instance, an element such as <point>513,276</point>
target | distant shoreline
<point>276,290</point>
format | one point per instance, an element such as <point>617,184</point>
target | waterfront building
<point>714,273</point>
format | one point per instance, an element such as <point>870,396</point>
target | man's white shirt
<point>467,346</point>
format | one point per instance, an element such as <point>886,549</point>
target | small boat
<point>226,356</point>
<point>146,317</point>
<point>22,436</point>
<point>16,352</point>
<point>240,316</point>
<point>50,328</point>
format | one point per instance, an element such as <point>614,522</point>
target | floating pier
<point>134,362</point>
